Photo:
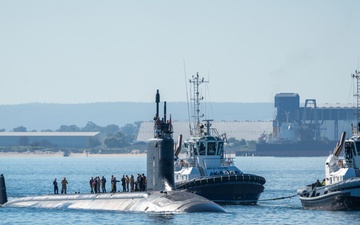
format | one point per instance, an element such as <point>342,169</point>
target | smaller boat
<point>207,171</point>
<point>340,190</point>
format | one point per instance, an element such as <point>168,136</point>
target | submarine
<point>161,195</point>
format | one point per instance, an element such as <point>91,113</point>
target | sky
<point>123,51</point>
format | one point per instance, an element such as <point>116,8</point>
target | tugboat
<point>207,171</point>
<point>340,189</point>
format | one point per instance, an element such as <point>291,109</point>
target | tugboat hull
<point>344,195</point>
<point>227,190</point>
<point>337,201</point>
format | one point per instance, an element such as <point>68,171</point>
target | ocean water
<point>34,175</point>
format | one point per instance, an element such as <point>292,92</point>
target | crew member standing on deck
<point>103,184</point>
<point>98,184</point>
<point>131,181</point>
<point>113,184</point>
<point>56,189</point>
<point>63,186</point>
<point>95,185</point>
<point>91,183</point>
<point>127,183</point>
<point>123,180</point>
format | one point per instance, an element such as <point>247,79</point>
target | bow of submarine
<point>189,202</point>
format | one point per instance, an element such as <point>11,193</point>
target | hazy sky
<point>112,51</point>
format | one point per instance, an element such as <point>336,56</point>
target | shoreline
<point>61,154</point>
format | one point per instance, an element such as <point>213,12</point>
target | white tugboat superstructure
<point>206,170</point>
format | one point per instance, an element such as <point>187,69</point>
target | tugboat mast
<point>356,130</point>
<point>196,99</point>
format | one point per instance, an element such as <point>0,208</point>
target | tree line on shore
<point>119,139</point>
<point>115,136</point>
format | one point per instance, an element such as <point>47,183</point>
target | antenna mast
<point>357,77</point>
<point>195,81</point>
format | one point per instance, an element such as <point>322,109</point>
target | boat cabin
<point>204,157</point>
<point>352,152</point>
<point>208,145</point>
<point>337,170</point>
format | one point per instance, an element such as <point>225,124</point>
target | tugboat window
<point>195,150</point>
<point>202,149</point>
<point>221,148</point>
<point>349,146</point>
<point>357,148</point>
<point>211,148</point>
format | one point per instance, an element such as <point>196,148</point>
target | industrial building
<point>292,123</point>
<point>312,122</point>
<point>60,139</point>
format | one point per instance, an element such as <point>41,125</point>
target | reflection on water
<point>161,218</point>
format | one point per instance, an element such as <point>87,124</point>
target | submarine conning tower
<point>3,196</point>
<point>160,153</point>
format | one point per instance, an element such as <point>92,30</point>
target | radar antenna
<point>196,99</point>
<point>356,76</point>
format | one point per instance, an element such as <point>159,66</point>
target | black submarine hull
<point>160,197</point>
<point>159,202</point>
<point>235,189</point>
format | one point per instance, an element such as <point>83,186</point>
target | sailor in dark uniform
<point>56,189</point>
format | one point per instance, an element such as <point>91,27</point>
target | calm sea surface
<point>34,175</point>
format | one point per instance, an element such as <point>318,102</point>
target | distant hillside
<point>37,116</point>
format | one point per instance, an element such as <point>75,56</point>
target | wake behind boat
<point>341,187</point>
<point>206,171</point>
